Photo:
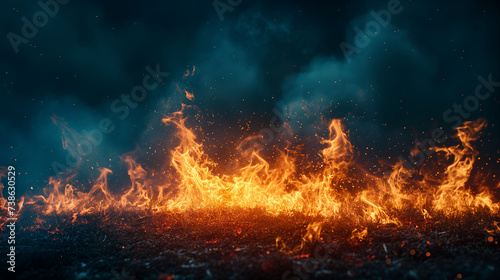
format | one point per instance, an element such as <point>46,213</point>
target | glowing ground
<point>223,245</point>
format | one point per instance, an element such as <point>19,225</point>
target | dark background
<point>264,55</point>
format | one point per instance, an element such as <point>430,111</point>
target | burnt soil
<point>228,245</point>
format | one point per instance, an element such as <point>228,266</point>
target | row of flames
<point>280,188</point>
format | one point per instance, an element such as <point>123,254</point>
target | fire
<point>495,230</point>
<point>452,194</point>
<point>190,73</point>
<point>3,172</point>
<point>189,95</point>
<point>313,233</point>
<point>257,184</point>
<point>331,191</point>
<point>260,185</point>
<point>358,235</point>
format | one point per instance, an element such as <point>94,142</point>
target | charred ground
<point>242,245</point>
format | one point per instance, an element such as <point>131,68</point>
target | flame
<point>189,73</point>
<point>495,230</point>
<point>257,185</point>
<point>64,198</point>
<point>335,188</point>
<point>189,95</point>
<point>453,194</point>
<point>312,235</point>
<point>357,235</point>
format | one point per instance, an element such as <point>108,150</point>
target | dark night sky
<point>263,55</point>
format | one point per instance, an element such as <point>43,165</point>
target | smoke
<point>396,88</point>
<point>263,56</point>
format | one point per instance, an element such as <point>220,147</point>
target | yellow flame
<point>313,233</point>
<point>280,187</point>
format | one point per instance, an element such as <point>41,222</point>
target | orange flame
<point>190,73</point>
<point>189,95</point>
<point>313,233</point>
<point>332,191</point>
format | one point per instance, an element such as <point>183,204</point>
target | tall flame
<point>332,190</point>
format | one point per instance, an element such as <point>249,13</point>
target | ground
<point>242,245</point>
